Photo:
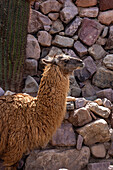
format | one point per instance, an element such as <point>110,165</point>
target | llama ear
<point>47,61</point>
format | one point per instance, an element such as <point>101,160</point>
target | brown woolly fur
<point>27,123</point>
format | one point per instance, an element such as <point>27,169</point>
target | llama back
<point>14,116</point>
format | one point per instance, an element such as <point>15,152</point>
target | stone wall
<point>82,29</point>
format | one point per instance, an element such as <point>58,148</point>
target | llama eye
<point>66,62</point>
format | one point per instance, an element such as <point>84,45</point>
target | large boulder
<point>103,78</point>
<point>94,132</point>
<point>56,27</point>
<point>99,110</point>
<point>44,38</point>
<point>37,21</point>
<point>86,3</point>
<point>106,17</point>
<point>80,48</point>
<point>88,12</point>
<point>106,93</point>
<point>31,86</point>
<point>68,12</point>
<point>32,49</point>
<point>90,65</point>
<point>107,103</point>
<point>73,27</point>
<point>62,41</point>
<point>31,67</point>
<point>53,16</point>
<point>98,150</point>
<point>56,159</point>
<point>50,6</point>
<point>64,136</point>
<point>89,31</point>
<point>88,90</point>
<point>80,117</point>
<point>105,4</point>
<point>96,51</point>
<point>80,102</point>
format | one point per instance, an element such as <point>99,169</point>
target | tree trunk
<point>14,16</point>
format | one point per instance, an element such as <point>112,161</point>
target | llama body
<point>27,123</point>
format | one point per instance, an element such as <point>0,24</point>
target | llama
<point>28,123</point>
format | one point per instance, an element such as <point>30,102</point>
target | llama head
<point>66,63</point>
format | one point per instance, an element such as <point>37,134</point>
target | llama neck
<point>53,88</point>
<point>51,99</point>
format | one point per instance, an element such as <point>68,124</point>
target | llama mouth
<point>80,67</point>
